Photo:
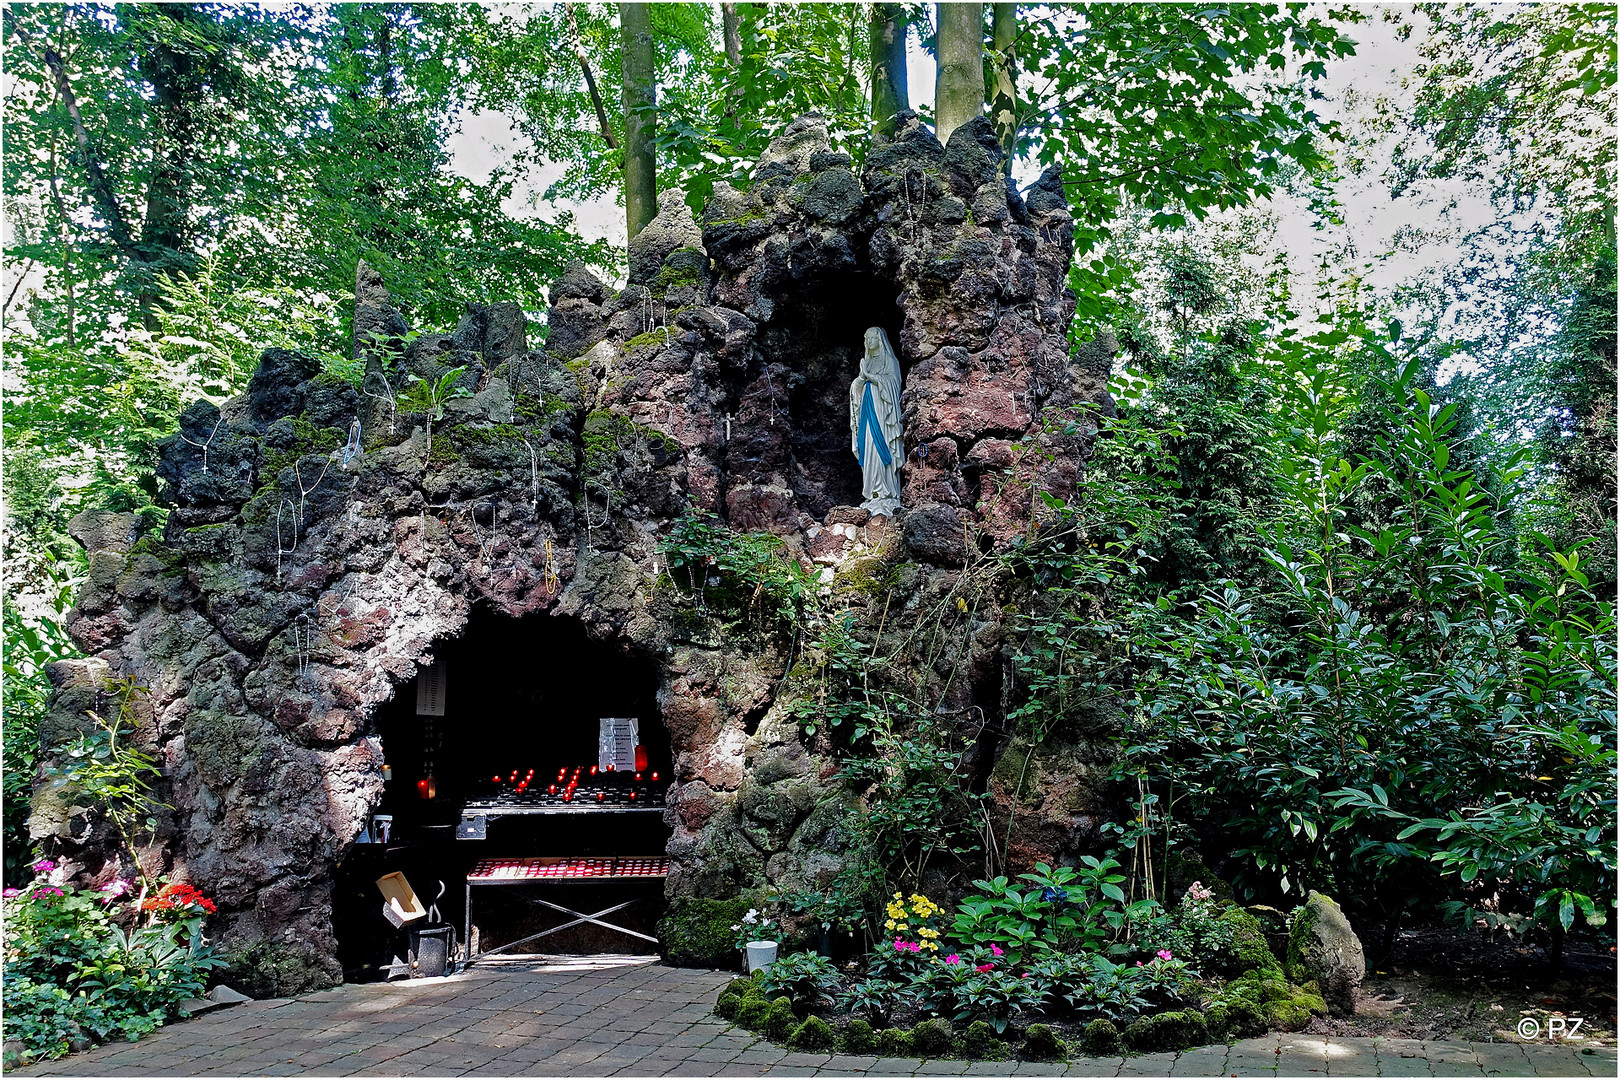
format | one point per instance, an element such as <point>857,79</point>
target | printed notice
<point>616,744</point>
<point>430,690</point>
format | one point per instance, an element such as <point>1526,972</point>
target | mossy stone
<point>1218,1020</point>
<point>858,1038</point>
<point>1101,1038</point>
<point>812,1035</point>
<point>893,1042</point>
<point>978,1040</point>
<point>932,1038</point>
<point>1287,1015</point>
<point>696,932</point>
<point>1167,1031</point>
<point>752,1012</point>
<point>1249,949</point>
<point>780,1020</point>
<point>1041,1042</point>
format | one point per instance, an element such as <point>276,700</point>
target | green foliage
<point>1057,907</point>
<point>74,975</point>
<point>428,397</point>
<point>1167,1031</point>
<point>916,807</point>
<point>875,997</point>
<point>735,572</point>
<point>975,987</point>
<point>894,1042</point>
<point>806,977</point>
<point>103,771</point>
<point>29,647</point>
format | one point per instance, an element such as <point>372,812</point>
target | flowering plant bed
<point>85,966</point>
<point>1024,968</point>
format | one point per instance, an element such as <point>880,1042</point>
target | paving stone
<point>1148,1065</point>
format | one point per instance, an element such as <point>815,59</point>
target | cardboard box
<point>400,902</point>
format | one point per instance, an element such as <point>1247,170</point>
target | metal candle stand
<point>560,871</point>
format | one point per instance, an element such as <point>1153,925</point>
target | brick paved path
<point>599,1016</point>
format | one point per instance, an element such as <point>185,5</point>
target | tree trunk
<point>640,117</point>
<point>889,94</point>
<point>959,80</point>
<point>731,26</point>
<point>1004,101</point>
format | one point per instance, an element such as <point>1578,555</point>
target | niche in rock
<point>519,700</point>
<point>793,415</point>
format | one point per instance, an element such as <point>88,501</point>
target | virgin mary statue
<point>874,423</point>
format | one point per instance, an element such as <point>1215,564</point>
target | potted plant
<point>757,937</point>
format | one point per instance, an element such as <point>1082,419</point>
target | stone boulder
<point>1322,946</point>
<point>671,229</point>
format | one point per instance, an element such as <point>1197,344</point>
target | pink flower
<point>953,959</point>
<point>1164,954</point>
<point>9,893</point>
<point>899,946</point>
<point>995,950</point>
<point>985,967</point>
<point>1139,963</point>
<point>44,891</point>
<point>43,866</point>
<point>117,887</point>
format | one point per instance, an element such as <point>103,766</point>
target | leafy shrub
<point>1041,1042</point>
<point>806,977</point>
<point>976,988</point>
<point>931,1038</point>
<point>73,974</point>
<point>875,998</point>
<point>1050,909</point>
<point>857,1038</point>
<point>813,1034</point>
<point>1094,986</point>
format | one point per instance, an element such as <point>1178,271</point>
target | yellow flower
<point>889,925</point>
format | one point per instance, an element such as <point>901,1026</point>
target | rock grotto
<point>325,542</point>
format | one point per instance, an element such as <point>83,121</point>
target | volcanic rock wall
<point>322,541</point>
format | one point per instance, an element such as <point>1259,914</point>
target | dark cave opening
<point>818,335</point>
<point>521,699</point>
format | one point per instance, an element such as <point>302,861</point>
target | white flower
<point>751,917</point>
<point>735,927</point>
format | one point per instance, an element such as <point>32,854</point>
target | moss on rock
<point>893,1042</point>
<point>858,1038</point>
<point>1167,1031</point>
<point>780,1019</point>
<point>1101,1038</point>
<point>931,1038</point>
<point>811,1035</point>
<point>696,932</point>
<point>1041,1042</point>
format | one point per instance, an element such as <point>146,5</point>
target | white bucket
<point>761,954</point>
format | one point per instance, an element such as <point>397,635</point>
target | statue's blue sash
<point>869,422</point>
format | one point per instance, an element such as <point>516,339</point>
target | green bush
<point>812,1035</point>
<point>1101,1038</point>
<point>696,932</point>
<point>1041,1042</point>
<point>73,976</point>
<point>805,977</point>
<point>858,1038</point>
<point>931,1038</point>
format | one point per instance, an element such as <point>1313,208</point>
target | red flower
<point>985,967</point>
<point>178,897</point>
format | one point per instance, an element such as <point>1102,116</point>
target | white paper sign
<point>616,744</point>
<point>430,690</point>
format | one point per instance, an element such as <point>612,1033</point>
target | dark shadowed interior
<point>519,694</point>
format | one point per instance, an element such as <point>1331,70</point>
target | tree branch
<point>100,187</point>
<point>590,79</point>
